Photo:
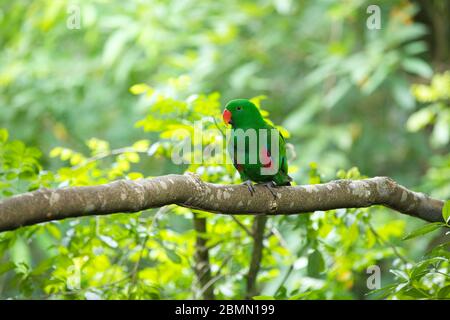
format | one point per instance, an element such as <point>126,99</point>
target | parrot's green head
<point>241,113</point>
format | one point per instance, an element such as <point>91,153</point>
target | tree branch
<point>202,266</point>
<point>259,226</point>
<point>189,191</point>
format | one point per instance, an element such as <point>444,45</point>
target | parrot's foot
<point>250,187</point>
<point>271,186</point>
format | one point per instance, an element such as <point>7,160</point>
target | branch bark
<point>189,191</point>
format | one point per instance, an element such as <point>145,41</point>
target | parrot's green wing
<point>283,157</point>
<point>282,177</point>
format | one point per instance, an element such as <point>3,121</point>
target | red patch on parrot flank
<point>239,167</point>
<point>265,158</point>
<point>269,165</point>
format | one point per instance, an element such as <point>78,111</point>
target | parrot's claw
<point>250,187</point>
<point>271,185</point>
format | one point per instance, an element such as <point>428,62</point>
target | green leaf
<point>402,94</point>
<point>415,47</point>
<point>424,230</point>
<point>141,145</point>
<point>441,132</point>
<point>444,293</point>
<point>300,296</point>
<point>139,88</point>
<point>115,46</point>
<point>446,211</point>
<point>133,157</point>
<point>420,119</point>
<point>53,230</point>
<point>316,263</point>
<point>5,267</point>
<point>263,298</point>
<point>417,66</point>
<point>3,135</point>
<point>400,274</point>
<point>173,256</point>
<point>281,293</point>
<point>421,268</point>
<point>337,93</point>
<point>415,293</point>
<point>383,292</point>
<point>109,241</point>
<point>55,152</point>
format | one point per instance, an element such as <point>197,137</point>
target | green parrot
<point>269,166</point>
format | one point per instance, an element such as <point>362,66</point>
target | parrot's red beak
<point>226,116</point>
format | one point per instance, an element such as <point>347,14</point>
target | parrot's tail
<point>289,182</point>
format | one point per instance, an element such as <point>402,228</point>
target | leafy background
<point>91,105</point>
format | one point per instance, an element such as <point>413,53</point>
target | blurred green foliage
<point>102,102</point>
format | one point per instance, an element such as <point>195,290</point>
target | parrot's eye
<point>239,108</point>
